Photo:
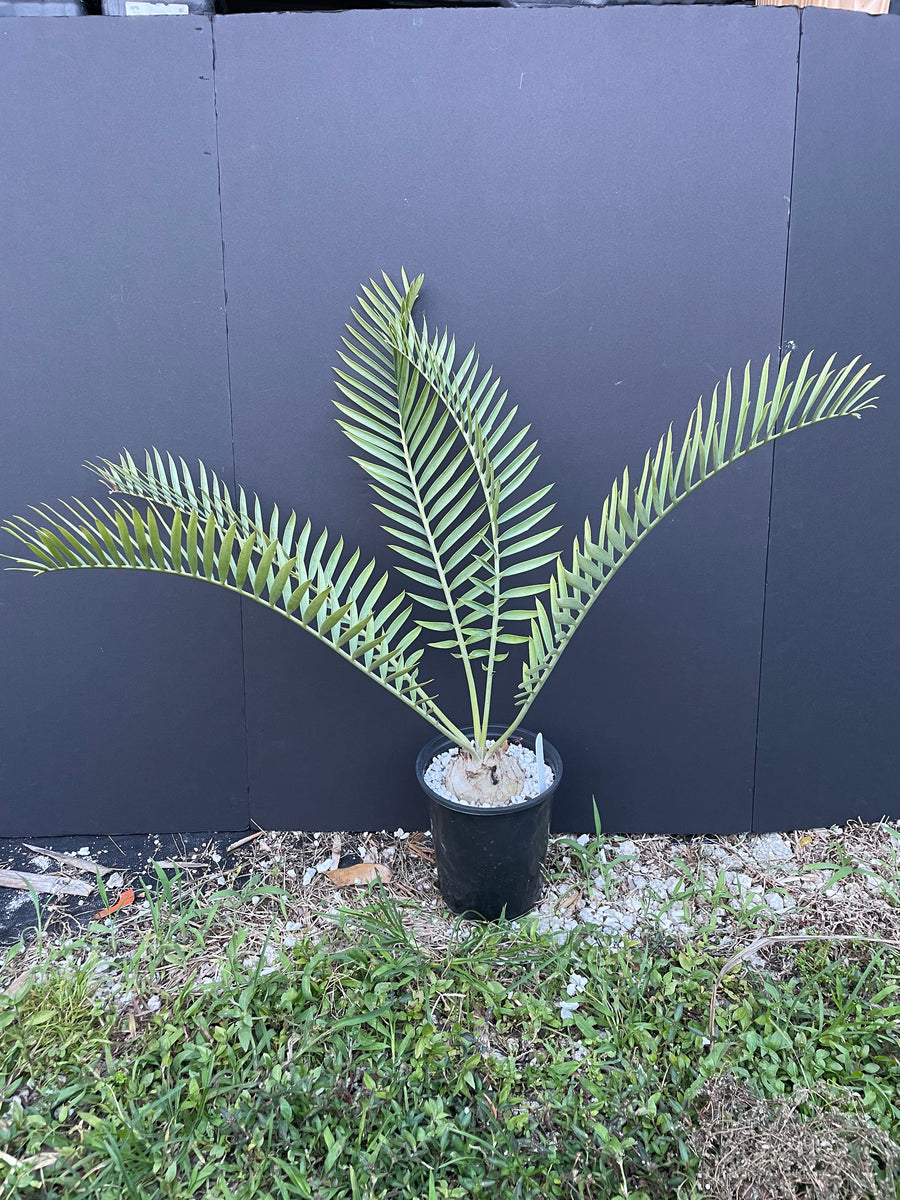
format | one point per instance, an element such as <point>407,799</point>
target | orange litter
<point>125,899</point>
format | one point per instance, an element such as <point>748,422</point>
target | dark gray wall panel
<point>600,199</point>
<point>830,708</point>
<point>121,709</point>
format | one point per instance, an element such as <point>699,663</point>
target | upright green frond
<point>447,466</point>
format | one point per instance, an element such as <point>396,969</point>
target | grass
<point>370,1062</point>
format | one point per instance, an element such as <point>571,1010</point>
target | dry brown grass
<point>262,892</point>
<point>756,1149</point>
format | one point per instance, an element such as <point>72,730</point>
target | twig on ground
<point>179,864</point>
<point>53,884</point>
<point>69,860</point>
<point>251,837</point>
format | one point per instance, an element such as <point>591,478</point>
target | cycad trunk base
<point>489,860</point>
<point>447,466</point>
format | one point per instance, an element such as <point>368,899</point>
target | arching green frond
<point>738,420</point>
<point>310,581</point>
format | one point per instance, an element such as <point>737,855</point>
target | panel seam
<point>781,352</point>
<point>212,29</point>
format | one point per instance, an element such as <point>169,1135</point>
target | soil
<point>129,855</point>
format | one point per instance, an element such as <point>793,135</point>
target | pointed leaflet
<point>501,462</point>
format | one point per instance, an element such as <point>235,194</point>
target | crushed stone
<point>766,881</point>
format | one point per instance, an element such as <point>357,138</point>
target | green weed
<point>368,1066</point>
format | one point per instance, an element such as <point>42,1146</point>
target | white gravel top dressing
<point>527,760</point>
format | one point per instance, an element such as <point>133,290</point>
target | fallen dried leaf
<point>125,899</point>
<point>12,989</point>
<point>359,874</point>
<point>36,1162</point>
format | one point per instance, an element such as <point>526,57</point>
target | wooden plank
<point>137,96</point>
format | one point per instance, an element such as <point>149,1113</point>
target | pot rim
<point>440,743</point>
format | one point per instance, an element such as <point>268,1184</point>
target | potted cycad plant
<point>450,469</point>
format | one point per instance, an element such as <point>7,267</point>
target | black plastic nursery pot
<point>489,859</point>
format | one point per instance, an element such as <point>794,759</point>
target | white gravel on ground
<point>770,848</point>
<point>654,884</point>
